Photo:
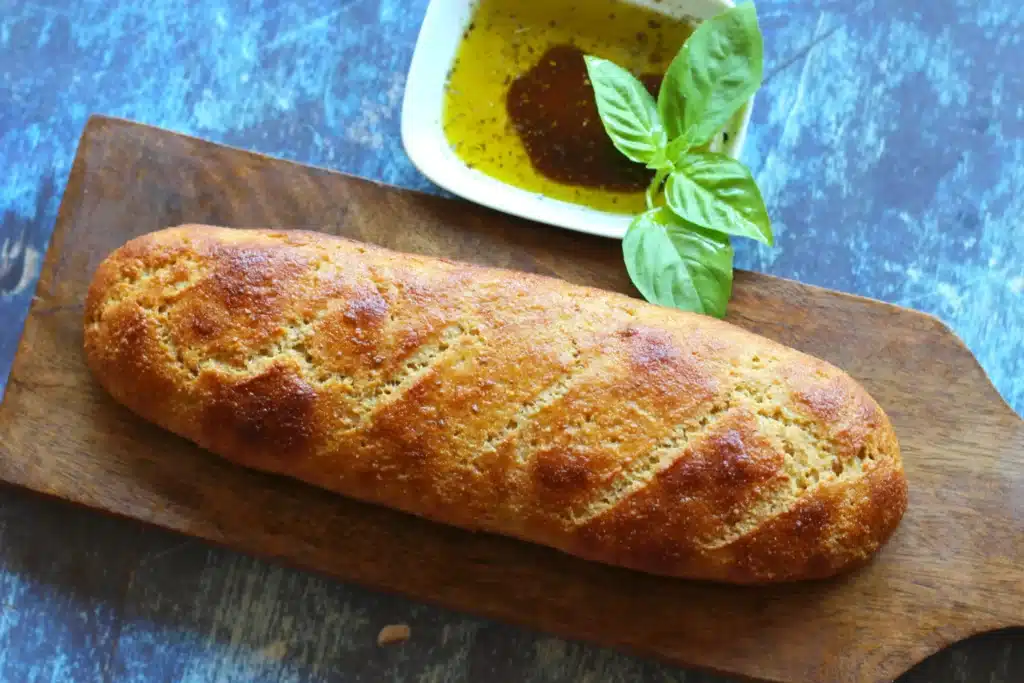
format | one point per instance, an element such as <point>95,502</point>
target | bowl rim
<point>432,156</point>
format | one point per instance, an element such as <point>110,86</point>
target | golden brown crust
<point>600,425</point>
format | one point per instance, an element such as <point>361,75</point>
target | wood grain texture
<point>953,569</point>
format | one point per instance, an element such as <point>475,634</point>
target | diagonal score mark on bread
<point>426,358</point>
<point>547,396</point>
<point>809,459</point>
<point>584,420</point>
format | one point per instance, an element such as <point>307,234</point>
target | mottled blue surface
<point>888,140</point>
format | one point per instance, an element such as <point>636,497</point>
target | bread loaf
<point>591,422</point>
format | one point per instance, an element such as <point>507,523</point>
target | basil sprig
<point>679,253</point>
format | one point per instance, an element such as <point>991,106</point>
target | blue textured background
<point>888,141</point>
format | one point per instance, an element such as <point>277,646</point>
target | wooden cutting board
<point>954,568</point>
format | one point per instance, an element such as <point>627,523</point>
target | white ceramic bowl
<point>425,142</point>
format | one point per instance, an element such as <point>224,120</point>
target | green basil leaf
<point>720,67</point>
<point>679,265</point>
<point>671,102</point>
<point>628,112</point>
<point>718,193</point>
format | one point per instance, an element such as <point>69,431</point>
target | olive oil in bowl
<point>519,107</point>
